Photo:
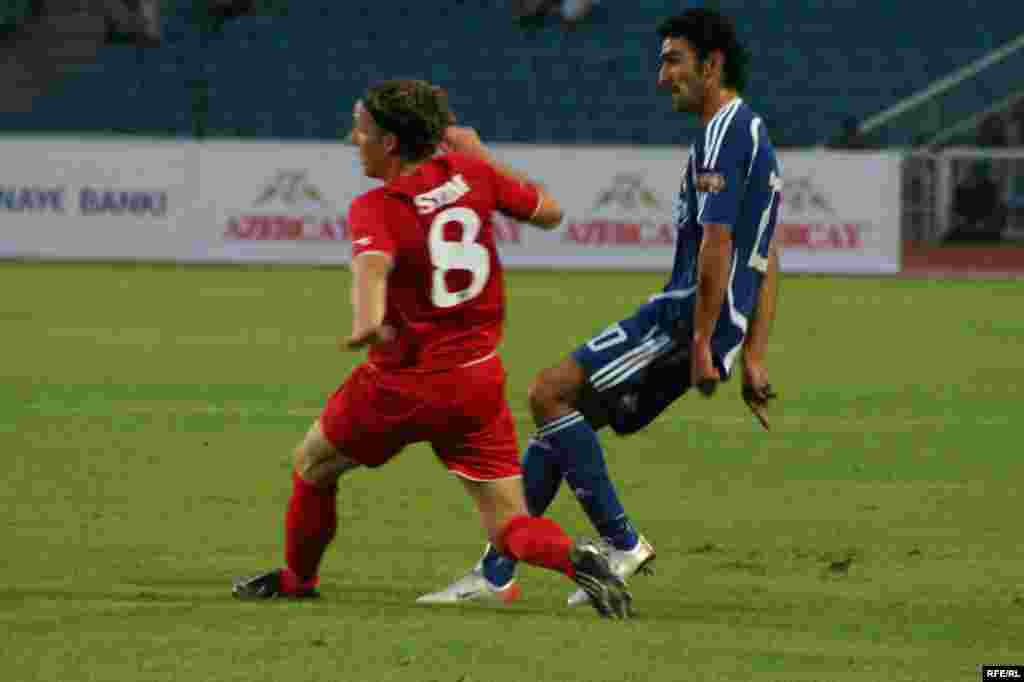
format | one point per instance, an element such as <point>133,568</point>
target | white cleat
<point>625,564</point>
<point>474,587</point>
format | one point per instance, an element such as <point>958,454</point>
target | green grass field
<point>147,416</point>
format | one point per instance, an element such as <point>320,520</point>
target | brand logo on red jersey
<point>288,208</point>
<point>448,193</point>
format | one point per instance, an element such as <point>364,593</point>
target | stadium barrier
<point>285,203</point>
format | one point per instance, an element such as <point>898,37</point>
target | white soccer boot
<point>474,587</point>
<point>625,564</point>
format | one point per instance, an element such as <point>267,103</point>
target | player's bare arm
<point>466,140</point>
<point>757,392</point>
<point>755,346</point>
<point>369,300</point>
<point>713,278</point>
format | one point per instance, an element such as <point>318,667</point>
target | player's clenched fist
<point>757,392</point>
<point>369,337</point>
<point>464,140</point>
<point>704,375</point>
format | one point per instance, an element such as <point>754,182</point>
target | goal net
<point>964,194</point>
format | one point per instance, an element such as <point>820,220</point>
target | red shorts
<point>461,412</point>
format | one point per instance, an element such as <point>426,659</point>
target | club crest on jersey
<point>448,193</point>
<point>709,183</point>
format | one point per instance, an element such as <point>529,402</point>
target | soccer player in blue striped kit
<point>718,306</point>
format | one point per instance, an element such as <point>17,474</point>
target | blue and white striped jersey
<point>732,177</point>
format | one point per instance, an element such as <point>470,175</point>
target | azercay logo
<point>803,197</point>
<point>288,208</point>
<point>291,187</point>
<point>628,191</point>
<point>626,213</point>
<point>808,220</point>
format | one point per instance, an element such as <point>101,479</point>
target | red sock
<point>310,525</point>
<point>538,541</point>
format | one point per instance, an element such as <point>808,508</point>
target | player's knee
<point>535,394</point>
<point>320,466</point>
<point>551,394</point>
<point>544,394</point>
<point>305,466</point>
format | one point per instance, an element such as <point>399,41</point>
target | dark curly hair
<point>414,111</point>
<point>707,31</point>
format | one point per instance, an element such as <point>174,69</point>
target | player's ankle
<point>620,534</point>
<point>626,545</point>
<point>292,583</point>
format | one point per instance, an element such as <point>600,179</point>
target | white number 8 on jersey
<point>465,254</point>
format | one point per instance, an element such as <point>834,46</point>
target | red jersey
<point>446,290</point>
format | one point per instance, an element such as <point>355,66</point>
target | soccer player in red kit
<point>428,301</point>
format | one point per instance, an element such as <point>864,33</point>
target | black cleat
<point>268,586</point>
<point>607,592</point>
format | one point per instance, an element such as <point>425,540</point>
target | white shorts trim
<point>376,252</point>
<point>485,358</point>
<point>483,480</point>
<point>675,293</point>
<point>489,356</point>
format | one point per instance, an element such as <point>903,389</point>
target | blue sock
<point>542,476</point>
<point>584,469</point>
<point>497,568</point>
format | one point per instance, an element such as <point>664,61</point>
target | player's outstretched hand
<point>464,140</point>
<point>703,373</point>
<point>757,392</point>
<point>369,337</point>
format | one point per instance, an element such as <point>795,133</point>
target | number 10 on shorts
<point>612,336</point>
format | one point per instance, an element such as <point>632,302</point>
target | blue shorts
<point>636,367</point>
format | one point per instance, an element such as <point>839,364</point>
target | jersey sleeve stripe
<point>725,128</point>
<point>738,319</point>
<point>755,132</point>
<point>712,135</point>
<point>708,137</point>
<point>715,132</point>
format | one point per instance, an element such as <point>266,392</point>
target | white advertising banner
<point>617,202</point>
<point>277,203</point>
<point>840,212</point>
<point>285,203</point>
<point>87,200</point>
